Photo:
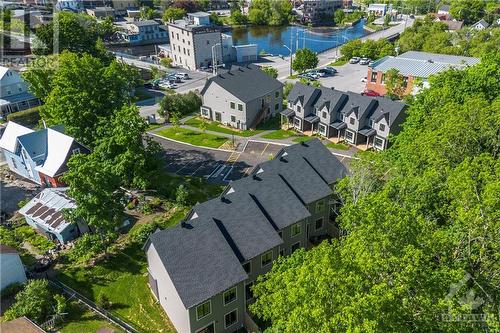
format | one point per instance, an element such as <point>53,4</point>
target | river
<point>272,39</point>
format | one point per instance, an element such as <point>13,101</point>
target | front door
<point>209,329</point>
<point>218,117</point>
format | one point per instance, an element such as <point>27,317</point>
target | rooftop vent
<point>283,159</point>
<point>186,225</point>
<point>225,200</point>
<point>257,178</point>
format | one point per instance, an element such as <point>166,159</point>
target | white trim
<point>383,143</point>
<point>204,327</point>
<point>208,314</point>
<point>353,136</point>
<point>235,297</point>
<point>225,327</point>
<point>263,254</point>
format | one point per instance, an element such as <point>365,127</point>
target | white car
<point>167,85</point>
<point>182,75</point>
<point>317,73</point>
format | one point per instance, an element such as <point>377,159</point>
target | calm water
<point>271,39</point>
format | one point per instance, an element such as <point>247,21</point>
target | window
<point>76,151</point>
<point>349,136</point>
<point>352,120</point>
<point>277,94</point>
<point>299,109</point>
<point>232,105</point>
<point>233,119</point>
<point>266,258</point>
<point>296,122</point>
<point>204,112</point>
<point>322,129</point>
<point>381,127</point>
<point>248,291</point>
<point>383,78</point>
<point>373,77</point>
<point>318,224</point>
<point>324,114</point>
<point>277,106</point>
<point>295,247</point>
<point>230,296</point>
<point>247,267</point>
<point>282,252</point>
<point>231,318</point>
<point>240,107</point>
<point>320,206</point>
<point>280,233</point>
<point>378,143</point>
<point>295,229</point>
<point>203,310</point>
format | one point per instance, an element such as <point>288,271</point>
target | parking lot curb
<point>189,144</point>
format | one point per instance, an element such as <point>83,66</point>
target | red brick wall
<point>379,87</point>
<point>54,181</point>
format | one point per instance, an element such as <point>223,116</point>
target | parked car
<point>317,73</point>
<point>167,85</point>
<point>173,78</point>
<point>330,70</point>
<point>182,75</point>
<point>364,80</point>
<point>354,60</point>
<point>313,75</point>
<point>309,76</point>
<point>371,63</point>
<point>364,61</point>
<point>371,93</point>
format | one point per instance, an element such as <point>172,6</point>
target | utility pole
<point>289,49</point>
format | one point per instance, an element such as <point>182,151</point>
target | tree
<point>77,33</point>
<point>371,18</point>
<point>387,20</point>
<point>215,19</point>
<point>305,59</point>
<point>470,11</point>
<point>82,92</point>
<point>147,13</point>
<point>395,83</point>
<point>167,62</point>
<point>35,301</point>
<point>189,6</point>
<point>338,16</point>
<point>271,71</point>
<point>257,17</point>
<point>173,13</point>
<point>179,104</point>
<point>237,18</point>
<point>418,219</point>
<point>181,195</point>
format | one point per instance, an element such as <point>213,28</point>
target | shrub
<point>22,203</point>
<point>141,233</point>
<point>29,118</point>
<point>34,302</point>
<point>11,289</point>
<point>88,246</point>
<point>103,301</point>
<point>181,195</point>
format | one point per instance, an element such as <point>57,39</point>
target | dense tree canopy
<point>275,12</point>
<point>81,92</point>
<point>374,49</point>
<point>172,14</point>
<point>472,11</point>
<point>421,226</point>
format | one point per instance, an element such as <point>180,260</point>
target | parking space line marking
<point>264,149</point>
<point>185,165</point>
<point>201,164</point>
<point>214,170</point>
<point>229,172</point>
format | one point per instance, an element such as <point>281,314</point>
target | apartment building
<point>362,121</point>
<point>202,270</point>
<point>413,65</point>
<point>192,40</point>
<point>241,97</point>
<point>317,11</point>
<point>144,32</point>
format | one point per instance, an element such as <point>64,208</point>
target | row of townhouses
<point>363,121</point>
<point>202,270</point>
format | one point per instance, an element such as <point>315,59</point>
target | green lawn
<point>193,137</point>
<point>280,134</point>
<point>216,127</point>
<point>154,126</point>
<point>339,62</point>
<point>123,279</point>
<point>302,138</point>
<point>340,146</point>
<point>82,320</point>
<point>270,124</point>
<point>375,26</point>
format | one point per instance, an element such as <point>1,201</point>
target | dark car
<point>371,93</point>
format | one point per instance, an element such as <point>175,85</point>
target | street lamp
<point>290,58</point>
<point>214,59</point>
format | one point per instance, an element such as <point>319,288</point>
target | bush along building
<point>362,121</point>
<point>39,156</point>
<point>231,99</point>
<point>202,270</point>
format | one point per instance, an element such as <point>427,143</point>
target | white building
<point>144,32</point>
<point>379,9</point>
<point>480,25</point>
<point>14,95</point>
<point>11,267</point>
<point>192,40</point>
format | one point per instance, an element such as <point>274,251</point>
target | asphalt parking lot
<point>214,165</point>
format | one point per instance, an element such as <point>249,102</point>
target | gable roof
<point>198,260</point>
<point>303,92</point>
<point>20,325</point>
<point>246,83</point>
<point>46,208</point>
<point>482,22</point>
<point>387,108</point>
<point>58,148</point>
<point>13,130</point>
<point>203,254</point>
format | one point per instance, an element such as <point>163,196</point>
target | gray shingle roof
<point>304,92</point>
<point>246,83</point>
<point>203,255</point>
<point>422,64</point>
<point>388,108</point>
<point>198,259</point>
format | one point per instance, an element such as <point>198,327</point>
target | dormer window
<point>299,109</point>
<point>352,120</point>
<point>324,114</point>
<point>381,127</point>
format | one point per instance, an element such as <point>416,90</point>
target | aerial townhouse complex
<point>363,121</point>
<point>201,271</point>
